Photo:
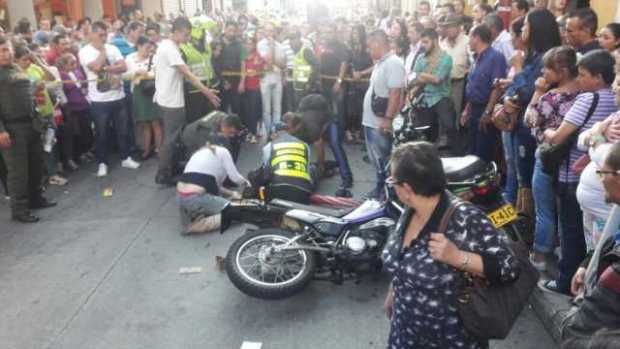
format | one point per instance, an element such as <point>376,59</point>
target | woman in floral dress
<point>427,267</point>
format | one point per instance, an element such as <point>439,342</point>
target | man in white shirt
<point>271,82</point>
<point>105,63</point>
<point>455,44</point>
<point>502,40</point>
<point>170,69</point>
<point>415,48</point>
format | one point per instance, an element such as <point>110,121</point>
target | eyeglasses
<point>391,181</point>
<point>603,173</point>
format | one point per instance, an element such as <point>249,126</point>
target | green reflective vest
<point>290,162</point>
<point>199,63</point>
<point>302,71</point>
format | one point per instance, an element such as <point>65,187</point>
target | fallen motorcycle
<point>295,243</point>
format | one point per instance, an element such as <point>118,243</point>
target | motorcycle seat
<point>461,169</point>
<point>326,211</point>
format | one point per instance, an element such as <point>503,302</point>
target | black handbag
<point>378,105</point>
<point>147,86</point>
<point>488,311</point>
<point>552,155</point>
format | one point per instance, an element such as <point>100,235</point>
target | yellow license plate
<point>503,215</point>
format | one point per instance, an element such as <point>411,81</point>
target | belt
<point>187,195</point>
<point>459,79</point>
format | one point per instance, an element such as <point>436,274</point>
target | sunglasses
<point>603,173</point>
<point>391,181</point>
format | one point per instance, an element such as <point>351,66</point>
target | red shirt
<point>51,57</point>
<point>254,67</point>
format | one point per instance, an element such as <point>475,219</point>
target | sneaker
<point>72,165</point>
<point>130,163</point>
<point>552,286</point>
<point>102,171</point>
<point>58,180</point>
<point>538,261</point>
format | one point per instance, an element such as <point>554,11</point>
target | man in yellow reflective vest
<point>197,56</point>
<point>305,69</point>
<point>286,171</point>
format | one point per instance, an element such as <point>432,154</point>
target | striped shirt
<point>576,116</point>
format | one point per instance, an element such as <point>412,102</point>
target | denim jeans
<point>335,144</point>
<point>524,147</point>
<point>271,93</point>
<point>544,204</point>
<point>572,241</point>
<point>510,190</point>
<point>103,113</point>
<point>379,146</point>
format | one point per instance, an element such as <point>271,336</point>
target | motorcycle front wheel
<point>258,269</point>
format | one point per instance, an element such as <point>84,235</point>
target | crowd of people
<point>531,88</point>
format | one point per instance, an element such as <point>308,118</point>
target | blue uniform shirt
<point>488,66</point>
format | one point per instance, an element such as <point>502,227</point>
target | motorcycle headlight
<point>398,123</point>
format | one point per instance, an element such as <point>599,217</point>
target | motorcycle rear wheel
<point>257,270</point>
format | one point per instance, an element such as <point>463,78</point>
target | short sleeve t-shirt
<point>168,80</point>
<point>576,116</point>
<point>389,73</point>
<point>89,54</point>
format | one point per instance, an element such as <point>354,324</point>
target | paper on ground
<point>190,270</point>
<point>251,345</point>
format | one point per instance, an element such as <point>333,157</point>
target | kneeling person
<point>200,191</point>
<point>216,127</point>
<point>286,171</point>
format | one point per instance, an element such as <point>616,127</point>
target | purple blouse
<point>549,111</point>
<point>76,95</point>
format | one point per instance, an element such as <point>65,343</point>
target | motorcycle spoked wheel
<point>259,272</point>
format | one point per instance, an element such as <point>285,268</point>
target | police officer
<point>20,141</point>
<point>305,69</point>
<point>286,170</point>
<point>217,128</point>
<point>197,56</point>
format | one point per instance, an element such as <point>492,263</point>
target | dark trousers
<point>173,120</point>
<point>24,162</point>
<point>441,115</point>
<point>77,133</point>
<point>231,101</point>
<point>482,143</point>
<point>354,102</point>
<point>103,114</point>
<point>572,241</point>
<point>252,109</point>
<point>196,106</point>
<point>3,175</point>
<point>288,98</point>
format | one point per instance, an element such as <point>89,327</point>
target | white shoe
<point>130,163</point>
<point>103,170</point>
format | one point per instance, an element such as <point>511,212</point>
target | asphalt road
<point>102,272</point>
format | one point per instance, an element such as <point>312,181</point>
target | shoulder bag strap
<point>443,225</point>
<point>590,111</point>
